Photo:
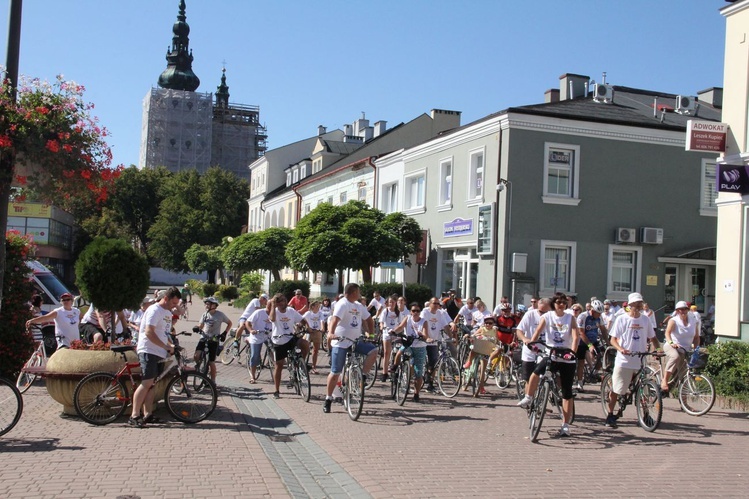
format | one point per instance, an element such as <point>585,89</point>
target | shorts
<point>433,354</point>
<point>540,368</point>
<point>88,331</point>
<point>282,351</point>
<point>315,337</point>
<point>566,375</point>
<point>212,349</point>
<point>255,350</point>
<point>418,356</point>
<point>338,355</point>
<point>528,368</point>
<point>621,379</point>
<point>675,357</point>
<point>151,365</point>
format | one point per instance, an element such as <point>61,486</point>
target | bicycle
<point>202,364</point>
<point>376,340</point>
<point>11,406</point>
<point>235,350</point>
<point>464,343</point>
<point>298,373</point>
<point>267,361</point>
<point>517,371</point>
<point>548,388</point>
<point>447,370</point>
<point>475,376</point>
<point>696,390</point>
<point>352,380</point>
<point>646,394</point>
<point>38,359</point>
<point>502,367</point>
<point>400,381</point>
<point>102,397</point>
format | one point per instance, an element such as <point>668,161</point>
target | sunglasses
<point>415,310</point>
<point>67,299</point>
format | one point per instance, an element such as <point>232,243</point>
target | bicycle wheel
<point>372,376</point>
<point>503,372</point>
<point>462,353</point>
<point>473,376</point>
<point>11,406</point>
<point>100,398</point>
<point>354,392</point>
<point>202,368</point>
<point>302,379</point>
<point>188,404</point>
<point>538,409</point>
<point>448,377</point>
<point>228,354</point>
<point>404,382</point>
<point>25,380</point>
<point>606,388</point>
<point>519,382</point>
<point>649,405</point>
<point>696,394</point>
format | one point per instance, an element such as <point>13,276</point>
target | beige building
<point>732,277</point>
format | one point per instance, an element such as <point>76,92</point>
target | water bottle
<point>695,357</point>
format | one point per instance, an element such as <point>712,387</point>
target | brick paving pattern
<point>436,448</point>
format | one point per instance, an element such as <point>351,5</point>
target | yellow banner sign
<point>34,210</point>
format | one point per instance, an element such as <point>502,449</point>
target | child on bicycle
<point>210,324</point>
<point>313,318</point>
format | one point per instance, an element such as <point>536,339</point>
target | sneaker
<point>326,405</point>
<point>416,397</point>
<point>611,421</point>
<point>151,419</point>
<point>276,395</point>
<point>580,388</point>
<point>430,387</point>
<point>564,431</point>
<point>526,402</point>
<point>364,379</point>
<point>136,422</point>
<point>384,377</point>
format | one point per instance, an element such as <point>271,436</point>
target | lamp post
<point>501,185</point>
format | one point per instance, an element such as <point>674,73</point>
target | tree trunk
<point>276,274</point>
<point>340,281</point>
<point>366,274</point>
<point>112,328</point>
<point>212,276</point>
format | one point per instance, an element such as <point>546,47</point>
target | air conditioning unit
<point>651,235</point>
<point>625,235</point>
<point>685,104</point>
<point>603,93</point>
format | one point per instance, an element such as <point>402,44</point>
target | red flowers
<point>5,141</point>
<point>53,146</point>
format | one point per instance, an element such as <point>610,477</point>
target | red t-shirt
<point>298,303</point>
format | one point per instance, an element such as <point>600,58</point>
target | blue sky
<point>309,63</point>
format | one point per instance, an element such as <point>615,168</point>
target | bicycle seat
<point>122,348</point>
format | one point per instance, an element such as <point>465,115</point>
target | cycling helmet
<point>505,306</point>
<point>596,306</point>
<point>211,299</point>
<point>522,308</point>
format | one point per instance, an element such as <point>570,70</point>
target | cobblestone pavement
<point>255,446</point>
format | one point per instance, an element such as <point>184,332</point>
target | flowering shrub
<point>98,346</point>
<point>60,152</point>
<point>16,344</point>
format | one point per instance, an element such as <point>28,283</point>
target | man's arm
<point>154,338</point>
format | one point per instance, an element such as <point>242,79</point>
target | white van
<point>47,285</point>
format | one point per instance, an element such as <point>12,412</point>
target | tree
<point>332,238</point>
<point>16,344</point>
<point>204,259</point>
<point>408,232</point>
<point>265,250</point>
<point>197,210</point>
<point>112,275</point>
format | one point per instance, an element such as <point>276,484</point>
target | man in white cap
<point>255,304</point>
<point>630,334</point>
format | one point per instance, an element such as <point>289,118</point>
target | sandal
<point>313,370</point>
<point>252,381</point>
<point>151,419</point>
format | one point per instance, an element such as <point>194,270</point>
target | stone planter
<point>67,367</point>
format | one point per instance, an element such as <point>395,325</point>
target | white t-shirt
<point>559,332</point>
<point>467,314</point>
<point>161,319</point>
<point>283,326</point>
<point>435,322</point>
<point>250,309</point>
<point>314,320</point>
<point>683,334</point>
<point>389,321</point>
<point>352,315</point>
<point>326,311</point>
<point>478,317</point>
<point>528,325</point>
<point>260,322</point>
<point>376,303</point>
<point>606,318</point>
<point>66,326</point>
<point>413,328</point>
<point>633,335</point>
<point>135,319</point>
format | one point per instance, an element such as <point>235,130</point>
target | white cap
<point>634,297</point>
<point>264,296</point>
<point>681,304</point>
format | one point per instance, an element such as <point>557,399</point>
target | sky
<point>309,63</point>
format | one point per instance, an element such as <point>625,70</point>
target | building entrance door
<point>695,284</point>
<point>460,268</point>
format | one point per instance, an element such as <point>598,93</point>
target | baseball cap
<point>148,299</point>
<point>681,304</point>
<point>264,296</point>
<point>161,294</point>
<point>66,295</point>
<point>634,297</point>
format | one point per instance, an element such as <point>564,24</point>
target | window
<point>362,194</point>
<point>341,198</point>
<point>415,192</point>
<point>446,182</point>
<point>708,189</point>
<point>307,208</point>
<point>561,174</point>
<point>390,198</point>
<point>296,175</point>
<point>302,172</point>
<point>288,178</point>
<point>330,198</point>
<point>558,266</point>
<point>623,271</point>
<point>476,176</point>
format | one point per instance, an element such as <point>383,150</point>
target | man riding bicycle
<point>210,325</point>
<point>592,325</point>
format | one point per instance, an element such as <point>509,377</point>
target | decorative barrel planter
<point>67,367</point>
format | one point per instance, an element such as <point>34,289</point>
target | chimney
<point>368,133</point>
<point>712,96</point>
<point>321,130</point>
<point>551,95</point>
<point>347,130</point>
<point>572,86</point>
<point>444,120</point>
<point>380,127</point>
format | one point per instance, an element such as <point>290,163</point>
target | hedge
<point>728,367</point>
<point>418,293</point>
<point>287,287</point>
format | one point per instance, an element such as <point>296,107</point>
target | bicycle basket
<point>517,356</point>
<point>407,341</point>
<point>608,359</point>
<point>700,361</point>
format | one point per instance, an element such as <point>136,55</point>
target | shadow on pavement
<point>34,445</point>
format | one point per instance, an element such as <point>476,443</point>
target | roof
<point>338,147</point>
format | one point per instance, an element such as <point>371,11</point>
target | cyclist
<point>592,326</point>
<point>561,332</point>
<point>349,320</point>
<point>153,347</point>
<point>66,320</point>
<point>467,311</point>
<point>437,320</point>
<point>524,332</point>
<point>95,323</point>
<point>260,328</point>
<point>631,333</point>
<point>299,302</point>
<point>285,320</point>
<point>255,304</point>
<point>487,331</point>
<point>389,319</point>
<point>376,304</point>
<point>135,317</point>
<point>414,328</point>
<point>681,333</point>
<point>477,318</point>
<point>186,293</point>
<point>210,324</point>
<point>325,309</point>
<point>314,320</point>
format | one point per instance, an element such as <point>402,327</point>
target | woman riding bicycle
<point>389,320</point>
<point>66,320</point>
<point>415,330</point>
<point>681,334</point>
